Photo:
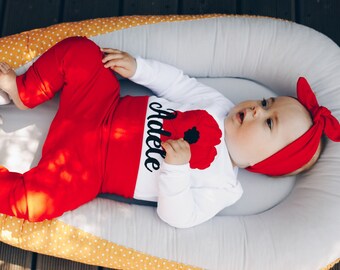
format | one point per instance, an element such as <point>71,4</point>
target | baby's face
<point>256,129</point>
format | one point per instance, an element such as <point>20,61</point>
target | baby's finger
<point>175,145</point>
<point>183,143</point>
<point>110,63</point>
<point>178,145</point>
<point>167,146</point>
<point>115,64</point>
<point>112,56</point>
<point>110,50</point>
<point>4,67</point>
<point>177,152</point>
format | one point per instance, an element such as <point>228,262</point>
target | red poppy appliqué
<point>200,130</point>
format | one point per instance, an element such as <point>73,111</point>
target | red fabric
<point>301,151</point>
<point>71,170</point>
<point>200,130</point>
<point>124,146</point>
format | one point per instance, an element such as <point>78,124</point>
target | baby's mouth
<point>241,116</point>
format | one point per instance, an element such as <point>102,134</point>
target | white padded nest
<point>290,223</point>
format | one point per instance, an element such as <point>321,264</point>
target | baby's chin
<point>232,159</point>
<point>238,164</point>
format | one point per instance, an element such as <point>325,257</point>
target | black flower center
<point>191,135</point>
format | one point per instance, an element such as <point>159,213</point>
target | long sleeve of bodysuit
<point>181,203</point>
<point>69,172</point>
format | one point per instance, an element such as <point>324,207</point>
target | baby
<point>181,147</point>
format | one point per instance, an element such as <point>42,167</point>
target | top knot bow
<point>322,117</point>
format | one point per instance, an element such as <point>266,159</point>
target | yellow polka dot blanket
<point>244,58</point>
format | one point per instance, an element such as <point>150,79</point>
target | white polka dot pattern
<point>58,239</point>
<point>21,48</point>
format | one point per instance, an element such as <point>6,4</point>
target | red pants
<point>72,166</point>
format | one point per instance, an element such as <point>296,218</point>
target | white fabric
<point>186,197</point>
<point>300,232</point>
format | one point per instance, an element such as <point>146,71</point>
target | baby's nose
<point>256,110</point>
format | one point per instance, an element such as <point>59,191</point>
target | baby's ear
<point>4,98</point>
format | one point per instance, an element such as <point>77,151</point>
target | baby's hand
<point>121,62</point>
<point>177,152</point>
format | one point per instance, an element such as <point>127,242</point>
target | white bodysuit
<point>186,196</point>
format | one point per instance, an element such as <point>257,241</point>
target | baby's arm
<point>8,84</point>
<point>172,84</point>
<point>179,203</point>
<point>182,205</point>
<point>164,80</point>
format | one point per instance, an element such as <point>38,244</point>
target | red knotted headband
<point>300,152</point>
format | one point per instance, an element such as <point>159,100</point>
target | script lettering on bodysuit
<point>155,129</point>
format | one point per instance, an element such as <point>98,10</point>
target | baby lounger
<point>288,223</point>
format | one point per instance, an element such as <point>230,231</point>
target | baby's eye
<point>269,123</point>
<point>264,103</point>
